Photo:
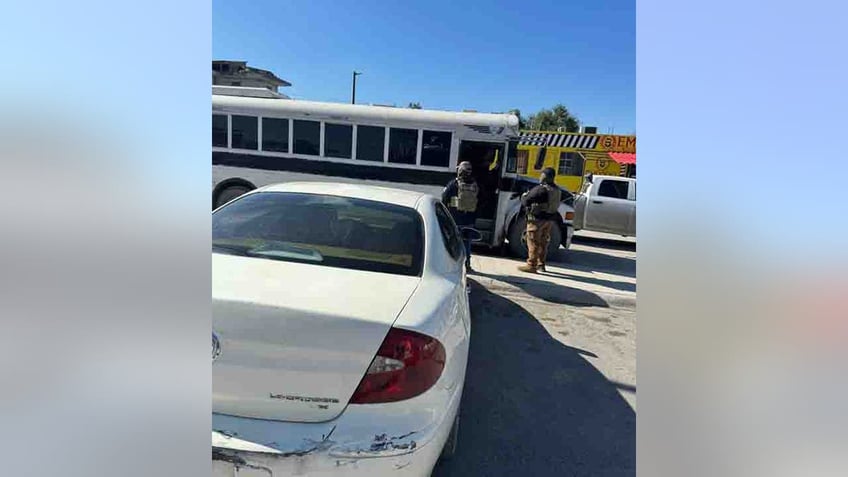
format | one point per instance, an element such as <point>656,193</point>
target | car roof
<point>387,195</point>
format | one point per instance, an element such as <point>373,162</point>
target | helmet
<point>463,169</point>
<point>548,175</point>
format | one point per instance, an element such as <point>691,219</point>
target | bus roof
<point>360,112</point>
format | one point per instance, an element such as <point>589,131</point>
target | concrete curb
<point>555,294</point>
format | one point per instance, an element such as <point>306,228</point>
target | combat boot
<point>527,268</point>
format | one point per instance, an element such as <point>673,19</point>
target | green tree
<point>552,119</point>
<point>415,105</point>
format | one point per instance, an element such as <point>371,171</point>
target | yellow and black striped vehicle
<point>573,155</point>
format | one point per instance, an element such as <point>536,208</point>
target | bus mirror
<point>514,196</point>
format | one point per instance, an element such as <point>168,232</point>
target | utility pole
<point>353,93</point>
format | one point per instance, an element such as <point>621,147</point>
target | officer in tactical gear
<point>460,196</point>
<point>541,204</point>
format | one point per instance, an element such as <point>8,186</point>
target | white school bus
<point>258,141</point>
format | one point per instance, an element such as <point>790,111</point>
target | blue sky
<point>492,56</point>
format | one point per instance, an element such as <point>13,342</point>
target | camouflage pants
<point>538,236</point>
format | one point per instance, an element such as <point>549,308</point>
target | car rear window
<point>323,230</point>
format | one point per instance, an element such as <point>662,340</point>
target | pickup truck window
<point>613,188</point>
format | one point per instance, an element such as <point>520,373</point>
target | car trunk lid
<point>296,339</point>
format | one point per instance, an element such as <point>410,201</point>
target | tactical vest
<point>551,206</point>
<point>466,196</point>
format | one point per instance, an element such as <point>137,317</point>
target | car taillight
<point>569,216</point>
<point>407,364</point>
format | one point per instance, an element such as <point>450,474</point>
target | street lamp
<point>353,93</point>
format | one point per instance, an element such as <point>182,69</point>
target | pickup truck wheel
<point>563,231</point>
<point>518,246</point>
<point>554,244</point>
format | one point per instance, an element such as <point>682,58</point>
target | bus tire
<point>518,246</point>
<point>229,190</point>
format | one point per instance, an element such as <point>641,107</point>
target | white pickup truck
<point>606,204</point>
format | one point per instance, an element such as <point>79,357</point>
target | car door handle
<point>597,202</point>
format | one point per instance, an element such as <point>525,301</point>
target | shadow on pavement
<point>596,261</point>
<point>533,406</point>
<point>580,259</point>
<point>617,285</point>
<point>548,291</point>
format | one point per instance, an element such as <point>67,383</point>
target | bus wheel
<point>518,245</point>
<point>229,193</point>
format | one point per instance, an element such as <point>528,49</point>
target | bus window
<point>275,134</point>
<point>435,149</point>
<point>523,155</point>
<point>403,145</point>
<point>512,156</point>
<point>307,137</point>
<point>370,142</point>
<point>219,130</point>
<point>245,132</point>
<point>338,140</point>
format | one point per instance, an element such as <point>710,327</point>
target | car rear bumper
<point>419,462</point>
<point>402,438</point>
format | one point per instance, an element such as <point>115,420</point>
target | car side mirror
<point>471,234</point>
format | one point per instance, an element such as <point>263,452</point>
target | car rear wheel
<point>518,244</point>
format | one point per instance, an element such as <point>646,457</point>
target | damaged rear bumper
<point>391,455</point>
<point>393,438</point>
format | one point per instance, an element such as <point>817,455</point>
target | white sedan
<point>340,331</point>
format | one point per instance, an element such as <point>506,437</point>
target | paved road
<point>550,388</point>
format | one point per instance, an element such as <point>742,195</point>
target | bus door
<point>486,160</point>
<point>508,201</point>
